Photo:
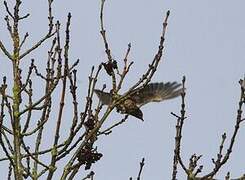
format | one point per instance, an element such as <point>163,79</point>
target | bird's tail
<point>105,98</point>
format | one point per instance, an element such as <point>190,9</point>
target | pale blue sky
<point>205,41</point>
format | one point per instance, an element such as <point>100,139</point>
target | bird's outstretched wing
<point>153,92</point>
<point>156,92</point>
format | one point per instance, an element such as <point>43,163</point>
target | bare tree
<point>25,116</point>
<point>193,170</point>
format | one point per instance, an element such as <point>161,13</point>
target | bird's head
<point>137,113</point>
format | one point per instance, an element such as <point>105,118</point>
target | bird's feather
<point>153,92</point>
<point>105,97</point>
<point>156,92</point>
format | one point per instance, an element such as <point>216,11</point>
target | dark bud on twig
<point>88,155</point>
<point>89,124</point>
<point>110,66</point>
<point>114,64</point>
<point>227,177</point>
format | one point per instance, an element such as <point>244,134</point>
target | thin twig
<point>179,126</point>
<point>109,130</point>
<point>107,49</point>
<point>142,163</point>
<point>221,162</point>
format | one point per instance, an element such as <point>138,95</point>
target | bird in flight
<point>152,92</point>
